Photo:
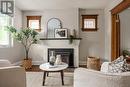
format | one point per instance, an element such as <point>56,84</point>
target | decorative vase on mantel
<point>72,35</point>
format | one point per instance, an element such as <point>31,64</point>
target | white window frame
<point>10,40</point>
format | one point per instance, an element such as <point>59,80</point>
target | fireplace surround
<point>60,44</point>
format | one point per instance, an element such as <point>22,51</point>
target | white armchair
<point>90,78</point>
<point>11,76</point>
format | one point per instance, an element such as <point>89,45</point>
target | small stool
<point>93,63</point>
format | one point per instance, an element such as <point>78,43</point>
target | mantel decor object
<point>53,24</point>
<point>72,35</point>
<point>61,33</point>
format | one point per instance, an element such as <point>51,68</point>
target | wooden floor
<point>35,68</point>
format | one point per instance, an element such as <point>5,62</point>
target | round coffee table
<point>57,68</point>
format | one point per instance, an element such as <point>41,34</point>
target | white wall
<point>15,53</point>
<point>93,43</point>
<point>32,13</point>
<point>125,29</point>
<point>69,18</point>
<point>108,28</point>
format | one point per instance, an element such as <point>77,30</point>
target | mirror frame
<point>50,20</point>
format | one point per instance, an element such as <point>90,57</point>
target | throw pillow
<point>119,59</point>
<point>118,66</point>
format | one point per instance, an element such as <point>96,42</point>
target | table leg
<point>62,76</point>
<point>47,73</point>
<point>44,78</point>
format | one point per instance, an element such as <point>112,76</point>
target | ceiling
<point>61,4</point>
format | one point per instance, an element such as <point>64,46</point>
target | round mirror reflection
<point>53,24</point>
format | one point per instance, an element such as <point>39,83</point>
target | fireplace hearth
<point>67,55</point>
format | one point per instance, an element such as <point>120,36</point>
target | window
<point>34,22</point>
<point>5,39</point>
<point>89,22</point>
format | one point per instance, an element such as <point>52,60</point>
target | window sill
<point>5,46</point>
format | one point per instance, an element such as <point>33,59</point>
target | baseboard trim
<point>82,63</point>
<point>37,62</point>
<point>33,63</point>
<point>17,63</point>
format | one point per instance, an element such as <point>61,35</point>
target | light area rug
<point>34,79</point>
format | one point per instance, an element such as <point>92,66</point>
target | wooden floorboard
<point>35,68</point>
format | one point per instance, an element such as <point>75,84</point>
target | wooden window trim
<point>90,17</point>
<point>34,18</point>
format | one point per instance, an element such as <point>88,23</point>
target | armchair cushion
<point>13,76</point>
<point>5,63</point>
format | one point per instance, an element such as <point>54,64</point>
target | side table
<point>59,68</point>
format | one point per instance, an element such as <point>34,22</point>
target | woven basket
<point>93,63</point>
<point>27,63</point>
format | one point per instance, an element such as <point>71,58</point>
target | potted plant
<point>26,37</point>
<point>126,53</point>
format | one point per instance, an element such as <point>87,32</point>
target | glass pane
<point>53,24</point>
<point>89,23</point>
<point>34,24</point>
<point>5,20</point>
<point>3,37</point>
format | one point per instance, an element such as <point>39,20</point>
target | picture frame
<point>61,33</point>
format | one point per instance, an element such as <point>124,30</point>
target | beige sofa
<point>90,78</point>
<point>11,76</point>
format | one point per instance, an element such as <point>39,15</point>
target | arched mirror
<point>52,24</point>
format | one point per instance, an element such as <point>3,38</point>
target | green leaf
<point>11,29</point>
<point>24,35</point>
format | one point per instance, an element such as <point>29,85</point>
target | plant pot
<point>27,63</point>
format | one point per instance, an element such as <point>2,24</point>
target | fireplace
<point>67,55</point>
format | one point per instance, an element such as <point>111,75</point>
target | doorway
<point>115,38</point>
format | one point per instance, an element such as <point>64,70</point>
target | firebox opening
<point>67,55</point>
